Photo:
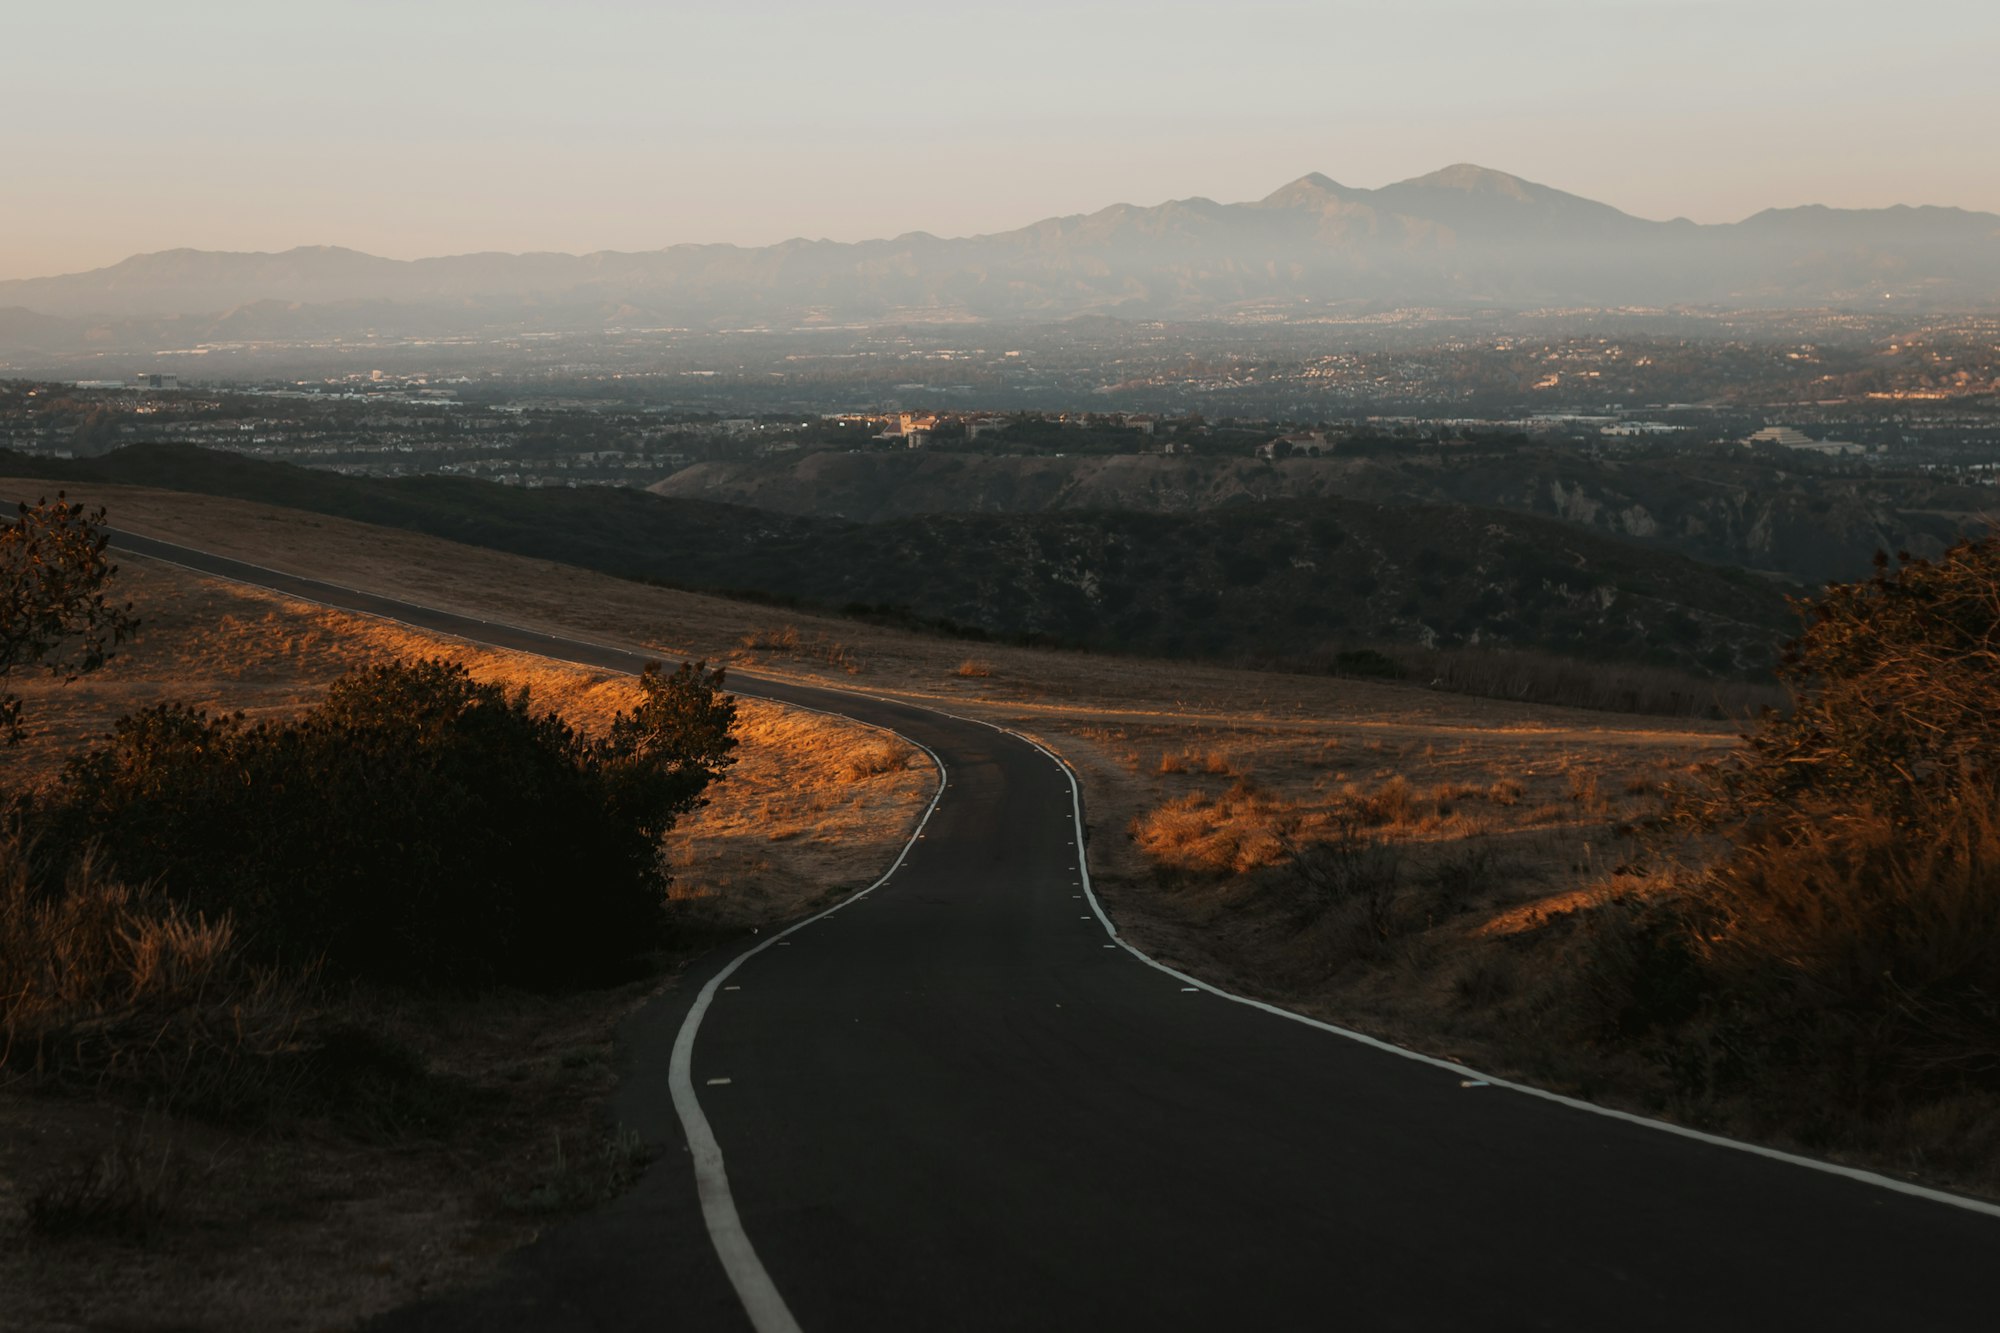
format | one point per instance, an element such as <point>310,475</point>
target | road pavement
<point>959,1101</point>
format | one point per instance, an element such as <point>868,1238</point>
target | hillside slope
<point>1718,506</point>
<point>1288,580</point>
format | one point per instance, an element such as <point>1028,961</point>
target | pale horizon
<point>518,127</point>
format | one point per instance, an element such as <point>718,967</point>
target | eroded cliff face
<point>1807,529</point>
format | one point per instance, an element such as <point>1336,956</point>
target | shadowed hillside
<point>1287,581</point>
<point>1723,505</point>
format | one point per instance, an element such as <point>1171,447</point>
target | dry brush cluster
<point>789,642</point>
<point>192,913</point>
<point>1850,939</point>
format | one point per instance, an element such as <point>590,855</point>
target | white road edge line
<point>1856,1174</point>
<point>1852,1173</point>
<point>1466,1072</point>
<point>761,1299</point>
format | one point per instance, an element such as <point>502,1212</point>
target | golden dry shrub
<point>1889,943</point>
<point>95,946</point>
<point>117,989</point>
<point>1393,803</point>
<point>869,760</point>
<point>1852,932</point>
<point>791,643</point>
<point>1243,829</point>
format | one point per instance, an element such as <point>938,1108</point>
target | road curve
<point>958,1103</point>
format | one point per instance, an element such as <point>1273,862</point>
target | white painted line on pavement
<point>1855,1174</point>
<point>760,1296</point>
<point>716,1082</point>
<point>1473,1077</point>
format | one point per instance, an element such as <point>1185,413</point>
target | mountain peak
<point>1309,190</point>
<point>1471,178</point>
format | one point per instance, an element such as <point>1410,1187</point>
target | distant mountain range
<point>1464,237</point>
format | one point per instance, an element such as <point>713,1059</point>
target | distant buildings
<point>1789,438</point>
<point>912,428</point>
<point>1298,444</point>
<point>148,381</point>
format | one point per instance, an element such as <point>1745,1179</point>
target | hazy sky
<point>432,126</point>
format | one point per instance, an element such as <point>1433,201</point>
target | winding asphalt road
<point>960,1102</point>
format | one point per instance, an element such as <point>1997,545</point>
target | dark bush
<point>1369,663</point>
<point>417,826</point>
<point>1881,943</point>
<point>54,612</point>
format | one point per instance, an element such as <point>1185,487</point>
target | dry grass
<point>107,989</point>
<point>973,668</point>
<point>1243,829</point>
<point>97,947</point>
<point>223,647</point>
<point>1548,678</point>
<point>117,1219</point>
<point>130,1189</point>
<point>789,642</point>
<point>814,806</point>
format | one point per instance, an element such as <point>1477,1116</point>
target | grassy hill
<point>1291,581</point>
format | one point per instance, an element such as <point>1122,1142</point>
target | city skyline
<point>513,127</point>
